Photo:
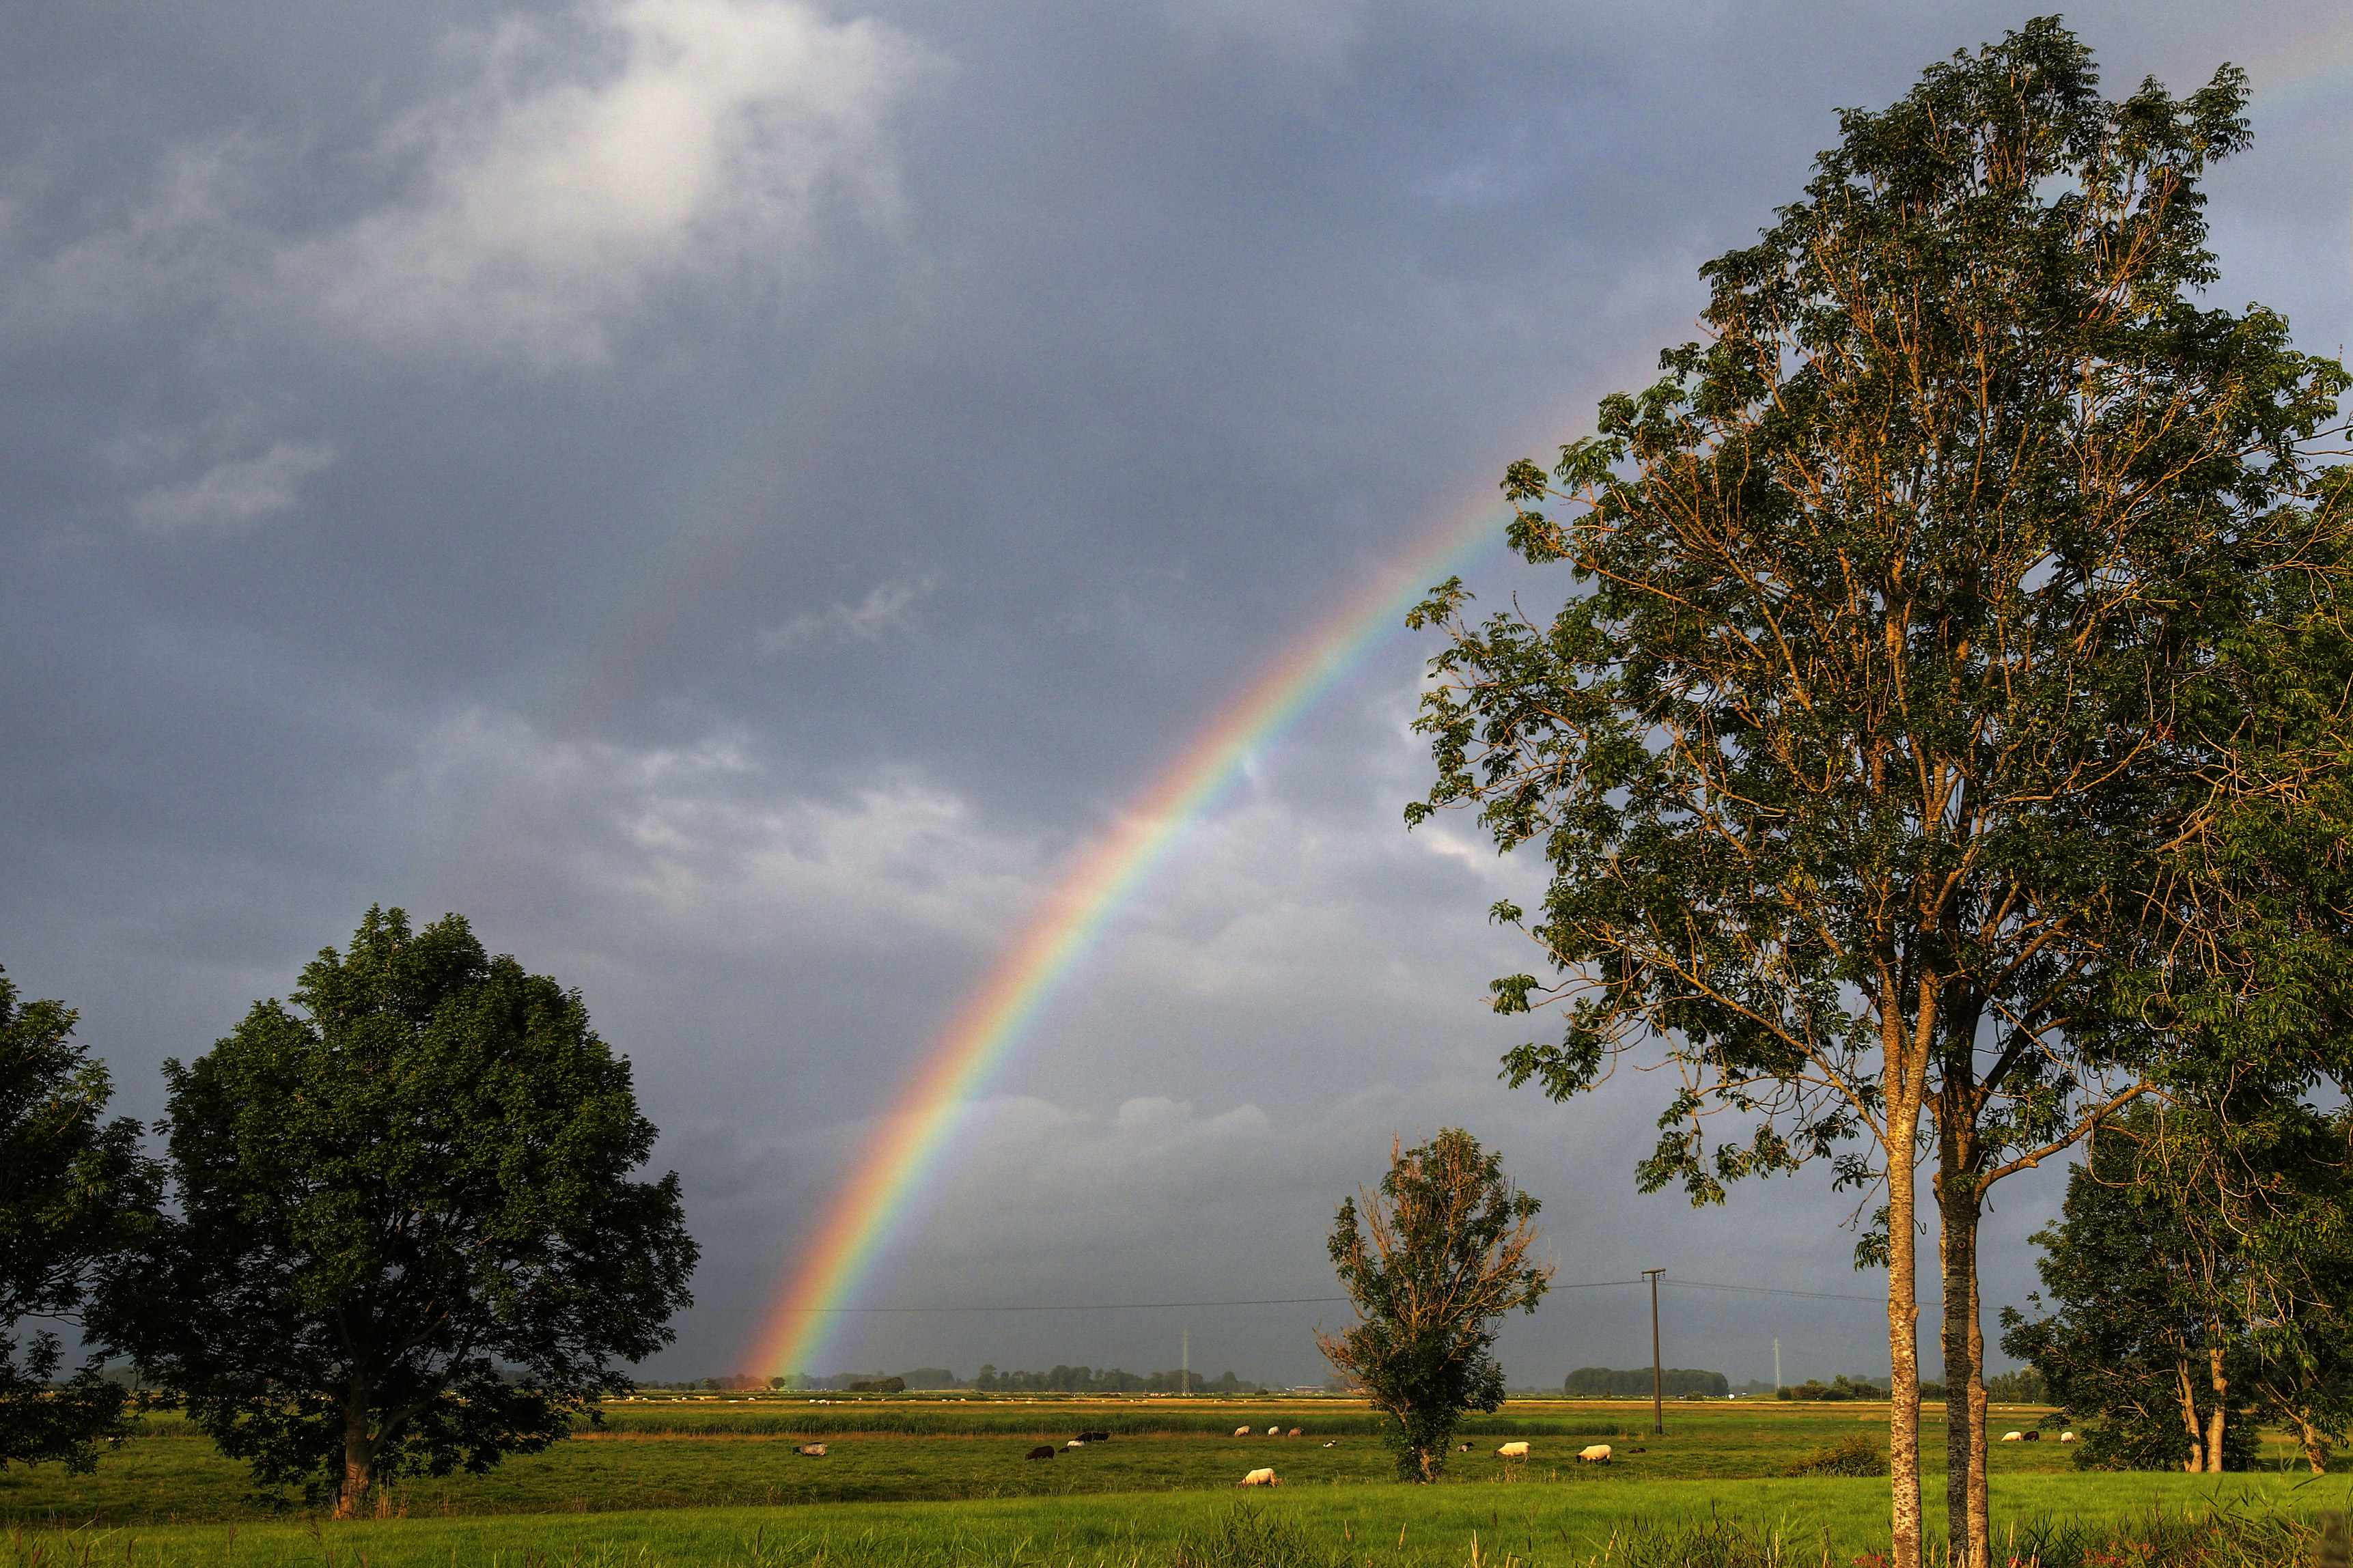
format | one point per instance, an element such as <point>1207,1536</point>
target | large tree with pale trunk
<point>1861,752</point>
<point>409,1236</point>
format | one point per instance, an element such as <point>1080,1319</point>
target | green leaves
<point>1440,1252</point>
<point>409,1235</point>
<point>74,1191</point>
<point>1898,660</point>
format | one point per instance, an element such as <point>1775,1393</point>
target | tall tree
<point>74,1190</point>
<point>1856,752</point>
<point>407,1237</point>
<point>1431,1260</point>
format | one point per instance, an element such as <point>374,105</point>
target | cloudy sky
<point>737,496</point>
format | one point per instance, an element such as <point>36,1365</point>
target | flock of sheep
<point>1599,1453</point>
<point>1594,1454</point>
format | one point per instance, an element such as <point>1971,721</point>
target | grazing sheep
<point>2067,1437</point>
<point>2013,1436</point>
<point>1260,1478</point>
<point>2035,1435</point>
<point>1274,1431</point>
<point>1513,1451</point>
<point>811,1450</point>
<point>1074,1442</point>
<point>1599,1453</point>
<point>1299,1432</point>
<point>1241,1431</point>
<point>1043,1451</point>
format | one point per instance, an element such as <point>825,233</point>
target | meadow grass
<point>2056,1521</point>
<point>170,1474</point>
<point>1710,1494</point>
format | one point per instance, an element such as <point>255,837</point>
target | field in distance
<point>704,1453</point>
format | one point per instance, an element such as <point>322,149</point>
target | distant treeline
<point>847,1382</point>
<point>1060,1380</point>
<point>1110,1380</point>
<point>1843,1387</point>
<point>1603,1383</point>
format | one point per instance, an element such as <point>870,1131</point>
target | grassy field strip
<point>1387,1526</point>
<point>164,1479</point>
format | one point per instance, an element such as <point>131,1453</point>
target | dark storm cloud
<point>731,494</point>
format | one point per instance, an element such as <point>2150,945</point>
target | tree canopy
<point>1431,1260</point>
<point>1863,745</point>
<point>2197,1281</point>
<point>74,1190</point>
<point>407,1237</point>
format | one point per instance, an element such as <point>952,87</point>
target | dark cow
<point>1094,1437</point>
<point>2035,1437</point>
<point>1043,1451</point>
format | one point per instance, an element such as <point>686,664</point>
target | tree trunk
<point>2188,1393</point>
<point>1981,1498</point>
<point>359,1453</point>
<point>2221,1404</point>
<point>2316,1448</point>
<point>1902,1306</point>
<point>1960,1211</point>
<point>1957,1250</point>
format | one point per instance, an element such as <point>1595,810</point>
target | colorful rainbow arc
<point>917,1130</point>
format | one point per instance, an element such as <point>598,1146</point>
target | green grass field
<point>710,1483</point>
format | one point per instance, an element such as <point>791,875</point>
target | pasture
<point>694,1482</point>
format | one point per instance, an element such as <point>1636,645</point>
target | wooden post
<point>1658,1378</point>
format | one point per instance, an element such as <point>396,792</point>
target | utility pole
<point>1777,1369</point>
<point>1658,1378</point>
<point>1185,1363</point>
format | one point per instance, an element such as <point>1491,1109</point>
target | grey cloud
<point>232,497</point>
<point>1024,376</point>
<point>883,609</point>
<point>538,206</point>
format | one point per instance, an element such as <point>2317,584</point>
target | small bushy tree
<point>1431,1260</point>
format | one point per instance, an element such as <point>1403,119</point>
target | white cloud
<point>884,609</point>
<point>233,496</point>
<point>534,213</point>
<point>700,846</point>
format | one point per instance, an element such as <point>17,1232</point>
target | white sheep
<point>1260,1478</point>
<point>2013,1436</point>
<point>1513,1451</point>
<point>2067,1437</point>
<point>1599,1453</point>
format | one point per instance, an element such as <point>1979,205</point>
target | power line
<point>1772,1290</point>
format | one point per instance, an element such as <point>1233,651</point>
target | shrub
<point>1860,1455</point>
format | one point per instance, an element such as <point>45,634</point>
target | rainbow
<point>920,1127</point>
<point>978,1041</point>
